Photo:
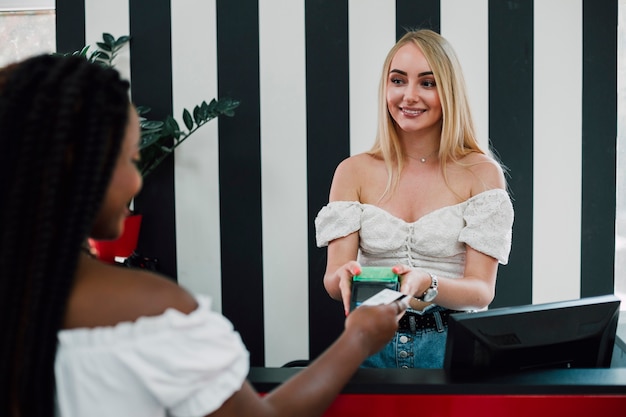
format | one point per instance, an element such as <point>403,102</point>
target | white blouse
<point>173,364</point>
<point>435,242</point>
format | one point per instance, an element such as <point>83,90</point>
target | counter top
<point>598,381</point>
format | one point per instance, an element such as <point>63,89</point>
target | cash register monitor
<point>567,334</point>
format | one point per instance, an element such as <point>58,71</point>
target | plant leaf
<point>213,106</point>
<point>171,127</point>
<point>196,115</point>
<point>83,52</point>
<point>152,124</point>
<point>108,39</point>
<point>228,103</point>
<point>122,40</point>
<point>141,110</point>
<point>104,46</point>
<point>100,55</point>
<point>204,111</point>
<point>147,141</point>
<point>187,119</point>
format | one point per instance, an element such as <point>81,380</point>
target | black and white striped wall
<point>232,214</point>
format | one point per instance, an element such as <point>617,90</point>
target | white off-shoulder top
<point>174,364</point>
<point>435,242</point>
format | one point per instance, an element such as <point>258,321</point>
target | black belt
<point>412,322</point>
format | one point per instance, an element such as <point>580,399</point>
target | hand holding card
<point>387,296</point>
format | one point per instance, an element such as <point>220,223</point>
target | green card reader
<point>371,281</point>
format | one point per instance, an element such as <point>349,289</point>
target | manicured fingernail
<point>357,271</point>
<point>346,312</point>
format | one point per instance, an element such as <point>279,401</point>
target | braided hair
<point>62,121</point>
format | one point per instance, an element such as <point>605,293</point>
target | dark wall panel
<point>411,14</point>
<point>599,117</point>
<point>328,143</point>
<point>151,74</point>
<point>240,173</point>
<point>70,25</point>
<point>511,132</point>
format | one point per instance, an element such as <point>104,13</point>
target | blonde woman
<point>426,200</point>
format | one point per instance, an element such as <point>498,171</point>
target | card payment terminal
<point>370,281</point>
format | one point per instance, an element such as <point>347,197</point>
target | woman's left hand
<point>412,281</point>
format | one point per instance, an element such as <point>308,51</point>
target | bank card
<point>385,296</point>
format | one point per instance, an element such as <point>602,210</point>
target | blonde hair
<point>458,136</point>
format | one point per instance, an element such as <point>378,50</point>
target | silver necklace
<point>423,159</point>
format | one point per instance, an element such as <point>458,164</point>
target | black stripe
<point>511,132</point>
<point>240,173</point>
<point>328,143</point>
<point>411,14</point>
<point>599,120</point>
<point>151,74</point>
<point>70,25</point>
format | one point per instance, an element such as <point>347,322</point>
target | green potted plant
<point>159,139</point>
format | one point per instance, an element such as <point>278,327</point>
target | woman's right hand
<point>375,325</point>
<point>309,392</point>
<point>343,275</point>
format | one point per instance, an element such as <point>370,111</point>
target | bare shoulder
<point>104,295</point>
<point>487,173</point>
<point>354,165</point>
<point>351,174</point>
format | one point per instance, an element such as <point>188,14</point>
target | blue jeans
<point>422,349</point>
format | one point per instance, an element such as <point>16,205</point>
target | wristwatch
<point>432,291</point>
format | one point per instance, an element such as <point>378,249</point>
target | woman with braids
<point>84,338</point>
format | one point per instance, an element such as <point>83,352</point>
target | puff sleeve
<point>489,222</point>
<point>187,364</point>
<point>337,219</point>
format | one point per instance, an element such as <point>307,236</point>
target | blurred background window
<point>27,28</point>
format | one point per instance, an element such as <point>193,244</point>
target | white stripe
<point>557,150</point>
<point>194,79</point>
<point>108,17</point>
<point>371,33</point>
<point>470,39</point>
<point>284,181</point>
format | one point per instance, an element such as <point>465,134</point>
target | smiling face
<point>412,97</point>
<point>125,183</point>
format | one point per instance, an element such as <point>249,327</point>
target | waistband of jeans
<point>413,322</point>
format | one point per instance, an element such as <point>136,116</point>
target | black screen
<point>361,291</point>
<point>568,334</point>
